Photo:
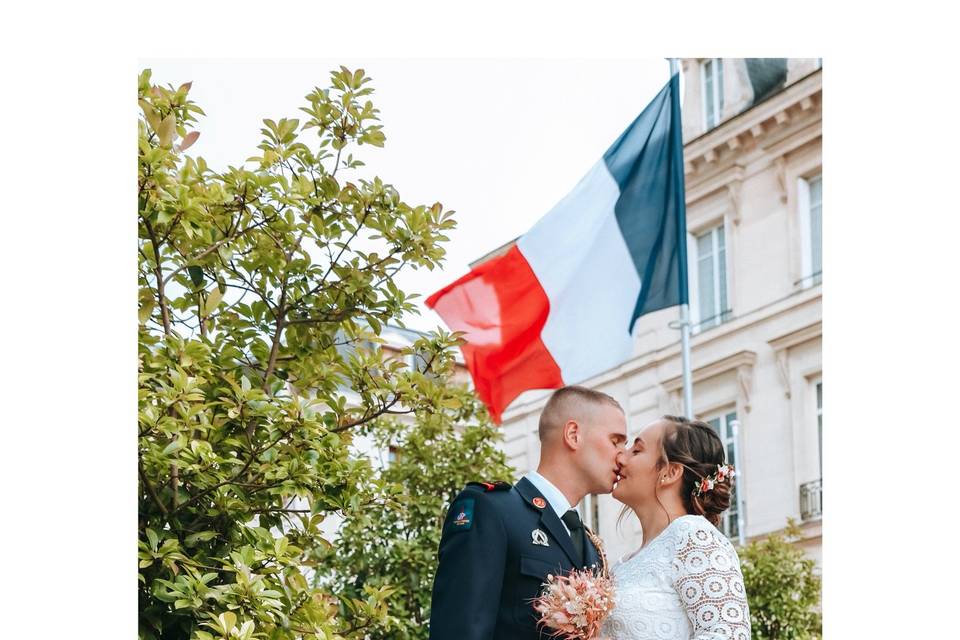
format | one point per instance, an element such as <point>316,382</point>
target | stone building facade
<point>753,171</point>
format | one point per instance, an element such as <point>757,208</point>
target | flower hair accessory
<point>706,485</point>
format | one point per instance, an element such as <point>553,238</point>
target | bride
<point>684,581</point>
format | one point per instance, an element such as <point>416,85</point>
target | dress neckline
<point>659,536</point>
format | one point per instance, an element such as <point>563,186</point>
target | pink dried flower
<point>575,606</point>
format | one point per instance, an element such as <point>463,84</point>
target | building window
<point>723,425</point>
<point>393,454</point>
<point>709,279</point>
<point>820,425</point>
<point>811,493</point>
<point>810,205</point>
<point>712,72</point>
<point>590,512</point>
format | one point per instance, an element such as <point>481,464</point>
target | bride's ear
<point>672,473</point>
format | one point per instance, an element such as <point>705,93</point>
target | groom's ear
<point>572,434</point>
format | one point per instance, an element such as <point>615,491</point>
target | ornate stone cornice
<point>754,126</point>
<point>720,180</point>
<point>741,362</point>
<point>797,337</point>
<point>740,359</point>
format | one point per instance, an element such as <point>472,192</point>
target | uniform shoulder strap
<point>497,485</point>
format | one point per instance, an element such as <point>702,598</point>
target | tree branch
<point>323,280</point>
<point>367,417</point>
<point>282,510</point>
<point>275,346</point>
<point>161,298</point>
<point>337,317</point>
<point>239,474</point>
<point>236,235</point>
<point>149,487</point>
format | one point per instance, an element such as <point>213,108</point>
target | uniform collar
<point>553,495</point>
<point>549,518</point>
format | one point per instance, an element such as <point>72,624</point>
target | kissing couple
<point>500,542</point>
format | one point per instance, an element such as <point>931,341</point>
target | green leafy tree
<point>783,589</point>
<point>397,546</point>
<point>262,293</point>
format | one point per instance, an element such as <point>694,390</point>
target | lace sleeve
<point>708,579</point>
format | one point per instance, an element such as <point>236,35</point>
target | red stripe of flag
<point>501,307</point>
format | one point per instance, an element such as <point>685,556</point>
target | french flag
<point>560,305</point>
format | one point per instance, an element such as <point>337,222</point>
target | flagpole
<point>677,159</point>
<point>741,524</point>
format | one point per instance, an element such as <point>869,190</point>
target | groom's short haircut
<point>571,403</point>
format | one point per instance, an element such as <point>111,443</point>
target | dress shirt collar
<point>553,495</point>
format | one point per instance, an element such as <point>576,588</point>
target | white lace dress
<point>684,585</point>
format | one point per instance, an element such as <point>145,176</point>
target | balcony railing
<point>713,321</point>
<point>810,280</point>
<point>811,500</point>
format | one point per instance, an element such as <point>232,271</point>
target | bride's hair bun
<point>712,503</point>
<point>696,446</point>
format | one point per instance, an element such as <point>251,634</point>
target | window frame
<point>818,395</point>
<point>712,98</point>
<point>729,522</point>
<point>808,276</point>
<point>720,315</point>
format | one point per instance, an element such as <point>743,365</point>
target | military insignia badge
<point>539,503</point>
<point>539,538</point>
<point>463,515</point>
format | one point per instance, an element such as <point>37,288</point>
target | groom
<point>500,542</point>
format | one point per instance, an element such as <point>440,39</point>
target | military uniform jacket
<point>491,567</point>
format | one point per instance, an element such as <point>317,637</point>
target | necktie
<point>577,535</point>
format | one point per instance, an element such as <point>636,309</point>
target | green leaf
<point>143,81</point>
<point>150,114</point>
<point>213,301</point>
<point>166,130</point>
<point>196,275</point>
<point>146,308</point>
<point>172,447</point>
<point>201,536</point>
<point>153,538</point>
<point>228,620</point>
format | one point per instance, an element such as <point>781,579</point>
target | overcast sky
<point>498,141</point>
